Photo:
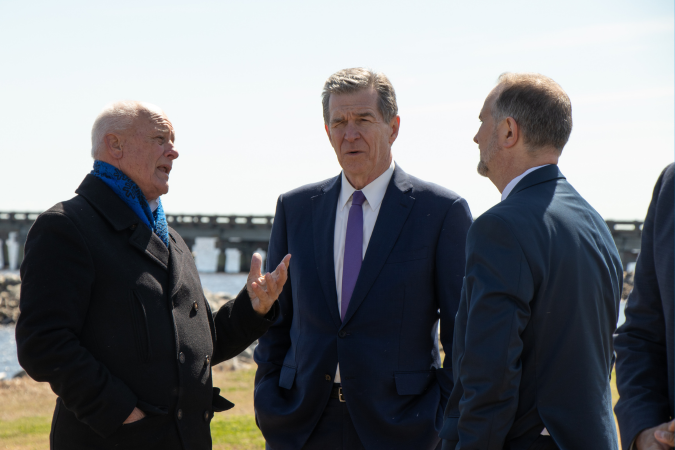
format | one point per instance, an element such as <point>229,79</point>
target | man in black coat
<point>113,314</point>
<point>644,343</point>
<point>532,351</point>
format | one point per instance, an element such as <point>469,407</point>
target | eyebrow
<point>363,114</point>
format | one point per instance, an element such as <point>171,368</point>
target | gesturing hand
<point>264,290</point>
<point>657,438</point>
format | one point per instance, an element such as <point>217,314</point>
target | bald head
<point>120,117</point>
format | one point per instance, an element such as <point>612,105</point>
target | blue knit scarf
<point>131,194</point>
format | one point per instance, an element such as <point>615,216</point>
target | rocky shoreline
<point>10,286</point>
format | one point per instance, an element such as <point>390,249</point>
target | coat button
<point>342,333</point>
<point>195,305</point>
<point>328,377</point>
<point>207,360</point>
<point>206,416</point>
<point>179,414</point>
<point>181,357</point>
<point>133,227</point>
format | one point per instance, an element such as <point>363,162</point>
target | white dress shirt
<point>374,194</point>
<point>509,187</point>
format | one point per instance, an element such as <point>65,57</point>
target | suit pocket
<point>139,320</point>
<point>413,383</point>
<point>286,377</point>
<point>408,255</point>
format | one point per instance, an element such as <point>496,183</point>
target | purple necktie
<point>353,250</point>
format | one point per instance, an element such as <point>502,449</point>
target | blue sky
<point>241,82</point>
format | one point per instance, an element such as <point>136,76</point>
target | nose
<point>351,133</point>
<point>475,138</point>
<point>172,153</point>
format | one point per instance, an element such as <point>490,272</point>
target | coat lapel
<point>324,207</point>
<point>396,206</point>
<point>176,264</point>
<point>121,217</point>
<point>149,243</point>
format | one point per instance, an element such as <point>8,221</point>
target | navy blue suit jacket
<point>387,345</point>
<point>644,343</point>
<point>533,334</point>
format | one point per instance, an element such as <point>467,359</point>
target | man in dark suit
<point>353,361</point>
<point>113,314</point>
<point>644,343</point>
<point>532,349</point>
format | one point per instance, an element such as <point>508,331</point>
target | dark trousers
<point>544,443</point>
<point>335,430</point>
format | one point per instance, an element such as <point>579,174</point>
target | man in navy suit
<point>644,343</point>
<point>353,361</point>
<point>532,349</point>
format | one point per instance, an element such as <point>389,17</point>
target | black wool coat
<point>112,319</point>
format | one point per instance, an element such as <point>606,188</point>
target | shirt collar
<point>374,192</point>
<point>509,187</point>
<point>153,204</point>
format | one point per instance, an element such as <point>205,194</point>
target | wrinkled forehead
<point>155,119</point>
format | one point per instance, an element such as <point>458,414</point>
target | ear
<point>510,132</point>
<point>395,124</point>
<point>113,145</point>
<point>327,131</point>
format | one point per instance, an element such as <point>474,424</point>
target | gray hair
<point>116,117</point>
<point>540,107</point>
<point>348,81</point>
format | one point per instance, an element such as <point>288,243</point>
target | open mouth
<point>164,170</point>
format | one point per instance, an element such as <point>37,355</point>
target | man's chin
<point>482,169</point>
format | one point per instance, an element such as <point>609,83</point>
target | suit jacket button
<point>133,227</point>
<point>342,333</point>
<point>207,360</point>
<point>206,416</point>
<point>328,378</point>
<point>195,305</point>
<point>179,414</point>
<point>181,357</point>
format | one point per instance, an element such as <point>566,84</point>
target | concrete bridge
<point>246,234</point>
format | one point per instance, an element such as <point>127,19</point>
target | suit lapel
<point>324,207</point>
<point>396,207</point>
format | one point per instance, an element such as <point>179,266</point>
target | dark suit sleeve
<point>57,274</point>
<point>640,343</point>
<point>499,289</point>
<point>238,325</point>
<point>273,346</point>
<point>450,261</point>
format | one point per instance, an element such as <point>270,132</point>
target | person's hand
<point>264,290</point>
<point>666,436</point>
<point>656,438</point>
<point>135,416</point>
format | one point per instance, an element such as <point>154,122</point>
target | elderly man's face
<point>486,138</point>
<point>360,136</point>
<point>149,153</point>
